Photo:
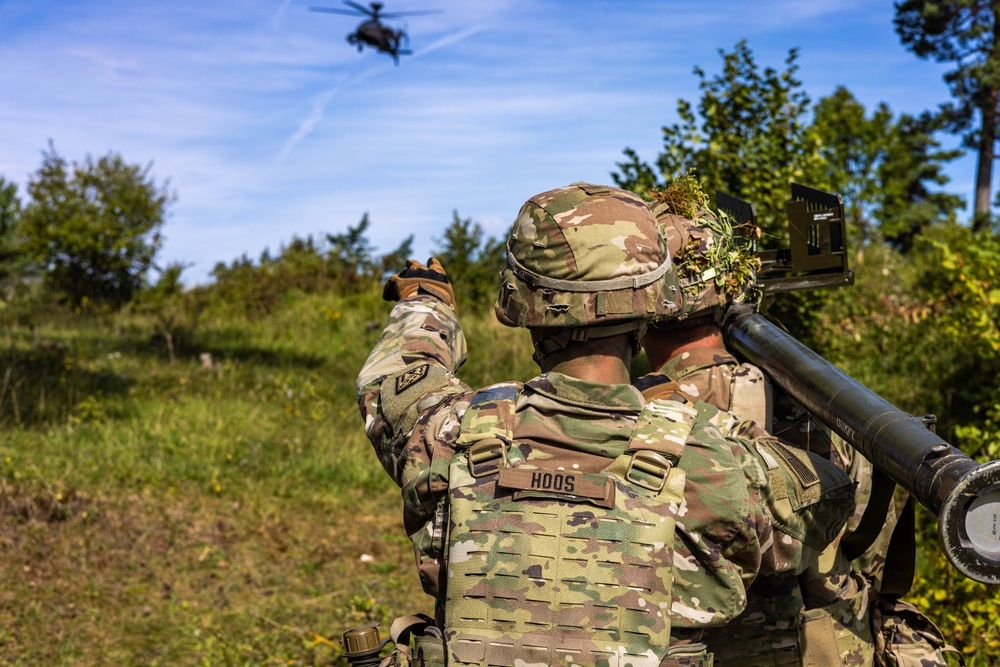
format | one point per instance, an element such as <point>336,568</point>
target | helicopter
<point>373,32</point>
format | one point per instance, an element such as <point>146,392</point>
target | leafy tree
<point>352,252</point>
<point>167,303</point>
<point>10,213</point>
<point>354,256</point>
<point>10,205</point>
<point>751,136</point>
<point>472,261</point>
<point>884,167</point>
<point>395,261</point>
<point>852,145</point>
<point>908,202</point>
<point>966,32</point>
<point>93,228</point>
<point>748,136</point>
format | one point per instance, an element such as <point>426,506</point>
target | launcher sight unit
<point>964,495</point>
<point>816,255</point>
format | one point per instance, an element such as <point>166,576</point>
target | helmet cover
<point>585,255</point>
<point>714,264</point>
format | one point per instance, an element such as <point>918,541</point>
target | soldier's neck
<point>662,345</point>
<point>603,369</point>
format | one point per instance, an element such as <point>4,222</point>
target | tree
<point>472,261</point>
<point>354,256</point>
<point>911,169</point>
<point>351,251</point>
<point>748,136</point>
<point>966,32</point>
<point>885,167</point>
<point>10,214</point>
<point>93,228</point>
<point>751,136</point>
<point>166,303</point>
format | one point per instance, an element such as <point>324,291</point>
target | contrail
<point>280,14</point>
<point>448,40</point>
<point>307,126</point>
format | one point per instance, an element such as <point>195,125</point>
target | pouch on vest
<point>905,637</point>
<point>809,498</point>
<point>550,566</point>
<point>417,642</point>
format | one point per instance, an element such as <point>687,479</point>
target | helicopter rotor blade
<point>419,12</point>
<point>331,10</point>
<point>360,8</point>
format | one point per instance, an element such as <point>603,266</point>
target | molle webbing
<point>553,566</point>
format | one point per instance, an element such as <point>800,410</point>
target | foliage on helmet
<point>714,258</point>
<point>585,255</point>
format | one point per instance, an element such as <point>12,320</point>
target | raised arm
<point>412,367</point>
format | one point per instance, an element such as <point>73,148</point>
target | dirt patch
<point>170,578</point>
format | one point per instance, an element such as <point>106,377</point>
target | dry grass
<point>188,579</point>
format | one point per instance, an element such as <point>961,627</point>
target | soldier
<point>543,514</point>
<point>826,615</point>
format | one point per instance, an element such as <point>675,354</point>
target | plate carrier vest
<point>548,565</point>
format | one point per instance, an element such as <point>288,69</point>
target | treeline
<point>920,325</point>
<point>347,262</point>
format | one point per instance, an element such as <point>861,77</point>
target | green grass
<point>207,512</point>
<point>210,512</point>
<point>215,511</point>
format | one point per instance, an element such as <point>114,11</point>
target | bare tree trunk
<point>987,138</point>
<point>170,346</point>
<point>984,172</point>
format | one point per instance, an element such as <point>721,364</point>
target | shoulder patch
<point>411,377</point>
<point>414,389</point>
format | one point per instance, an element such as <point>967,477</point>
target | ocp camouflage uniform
<point>468,461</point>
<point>825,615</point>
<point>825,607</point>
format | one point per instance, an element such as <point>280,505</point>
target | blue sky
<point>268,124</point>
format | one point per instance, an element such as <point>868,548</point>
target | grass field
<point>223,510</point>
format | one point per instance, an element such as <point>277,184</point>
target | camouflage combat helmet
<point>588,259</point>
<point>713,267</point>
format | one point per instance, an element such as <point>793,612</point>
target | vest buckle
<point>485,452</point>
<point>650,463</point>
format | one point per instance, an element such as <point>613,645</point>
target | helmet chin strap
<point>561,340</point>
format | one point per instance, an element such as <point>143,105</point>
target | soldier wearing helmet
<point>843,609</point>
<point>544,513</point>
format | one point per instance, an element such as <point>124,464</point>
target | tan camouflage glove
<point>417,278</point>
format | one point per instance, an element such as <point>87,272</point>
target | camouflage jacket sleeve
<point>410,370</point>
<point>752,508</point>
<point>805,500</point>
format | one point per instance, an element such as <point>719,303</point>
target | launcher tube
<point>962,493</point>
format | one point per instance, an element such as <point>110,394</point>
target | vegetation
<point>184,477</point>
<point>964,32</point>
<point>92,229</point>
<point>920,326</point>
